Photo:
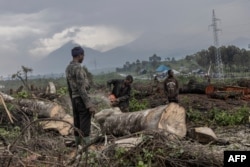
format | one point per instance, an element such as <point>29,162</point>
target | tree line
<point>233,59</point>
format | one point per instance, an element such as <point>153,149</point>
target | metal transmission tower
<point>218,61</point>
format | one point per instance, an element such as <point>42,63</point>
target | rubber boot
<point>77,140</point>
<point>86,140</point>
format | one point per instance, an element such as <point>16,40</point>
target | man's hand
<point>92,111</point>
<point>115,102</point>
<point>111,98</point>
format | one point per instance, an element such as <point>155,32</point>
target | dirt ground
<point>204,103</point>
<point>238,137</point>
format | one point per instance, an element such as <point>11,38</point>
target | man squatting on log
<point>78,84</point>
<point>120,94</point>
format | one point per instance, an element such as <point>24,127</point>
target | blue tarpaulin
<point>162,68</point>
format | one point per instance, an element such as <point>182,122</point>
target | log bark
<point>223,95</point>
<point>198,88</point>
<point>170,118</point>
<point>44,109</point>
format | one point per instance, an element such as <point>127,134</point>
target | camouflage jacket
<point>77,82</point>
<point>120,91</point>
<point>171,87</point>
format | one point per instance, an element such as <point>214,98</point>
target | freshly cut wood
<point>51,88</point>
<point>237,89</point>
<point>170,118</point>
<point>203,135</point>
<point>209,90</point>
<point>7,98</point>
<point>129,142</point>
<point>60,126</point>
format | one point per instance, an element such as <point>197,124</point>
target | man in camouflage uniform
<point>121,90</point>
<point>77,83</point>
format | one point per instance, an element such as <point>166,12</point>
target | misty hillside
<point>57,60</point>
<point>94,60</point>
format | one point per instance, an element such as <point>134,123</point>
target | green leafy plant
<point>237,117</point>
<point>23,94</point>
<point>136,105</point>
<point>194,115</point>
<point>119,153</point>
<point>62,91</point>
<point>141,164</point>
<point>10,133</point>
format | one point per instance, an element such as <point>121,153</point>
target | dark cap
<point>170,72</point>
<point>77,51</point>
<point>129,78</point>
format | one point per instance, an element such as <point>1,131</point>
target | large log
<point>170,118</point>
<point>44,109</point>
<point>194,87</point>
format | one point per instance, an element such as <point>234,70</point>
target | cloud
<point>12,33</point>
<point>101,38</point>
<point>13,38</point>
<point>18,30</point>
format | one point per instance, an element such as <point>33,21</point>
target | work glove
<point>92,111</point>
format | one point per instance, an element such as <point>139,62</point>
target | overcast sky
<point>34,28</point>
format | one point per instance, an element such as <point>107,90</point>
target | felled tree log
<point>170,118</point>
<point>223,95</point>
<point>244,83</point>
<point>202,134</point>
<point>44,109</point>
<point>198,88</point>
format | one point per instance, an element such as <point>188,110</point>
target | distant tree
<point>138,69</point>
<point>23,76</point>
<point>138,66</point>
<point>155,58</point>
<point>138,61</point>
<point>245,57</point>
<point>128,65</point>
<point>202,58</point>
<point>144,63</point>
<point>188,57</point>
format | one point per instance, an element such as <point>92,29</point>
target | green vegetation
<point>22,94</point>
<point>62,91</point>
<point>135,105</point>
<point>225,118</point>
<point>10,133</point>
<point>220,117</point>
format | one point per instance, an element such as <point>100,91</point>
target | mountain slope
<point>141,49</point>
<point>57,60</point>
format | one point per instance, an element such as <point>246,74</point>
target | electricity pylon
<point>218,61</point>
